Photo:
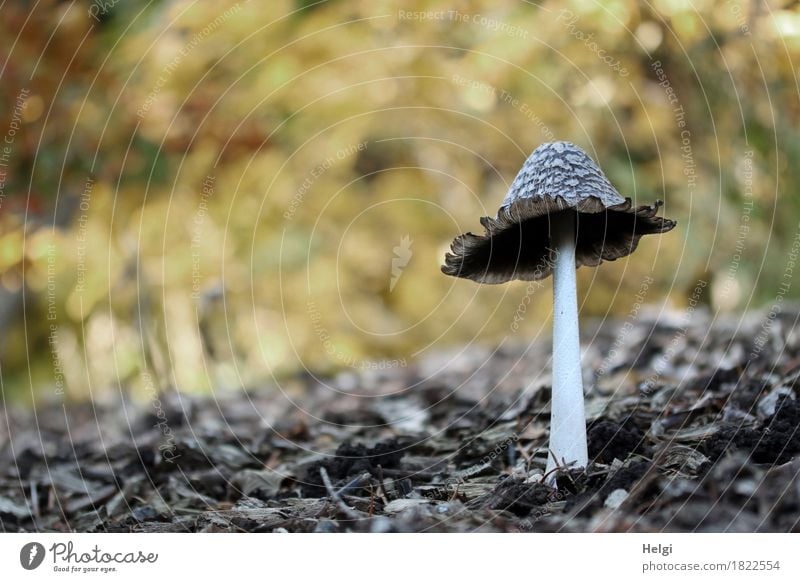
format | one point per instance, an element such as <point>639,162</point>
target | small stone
<point>615,498</point>
<point>381,525</point>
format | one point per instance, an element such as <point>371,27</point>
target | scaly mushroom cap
<point>557,177</point>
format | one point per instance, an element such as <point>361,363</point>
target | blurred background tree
<point>219,194</point>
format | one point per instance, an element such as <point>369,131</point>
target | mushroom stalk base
<point>568,418</point>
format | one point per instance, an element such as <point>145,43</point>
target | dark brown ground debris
<point>694,425</point>
<point>609,441</point>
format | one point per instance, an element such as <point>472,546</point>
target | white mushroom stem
<point>568,418</point>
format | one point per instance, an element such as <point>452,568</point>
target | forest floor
<point>693,423</point>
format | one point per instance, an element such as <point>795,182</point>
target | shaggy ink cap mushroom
<point>559,177</point>
<point>561,212</point>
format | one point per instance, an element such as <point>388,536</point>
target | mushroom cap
<point>557,177</point>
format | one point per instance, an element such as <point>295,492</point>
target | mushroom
<point>560,213</point>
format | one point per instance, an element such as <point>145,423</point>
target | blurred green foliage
<point>228,192</point>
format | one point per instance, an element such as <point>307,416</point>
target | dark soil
<point>701,437</point>
<point>774,441</point>
<point>609,441</point>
